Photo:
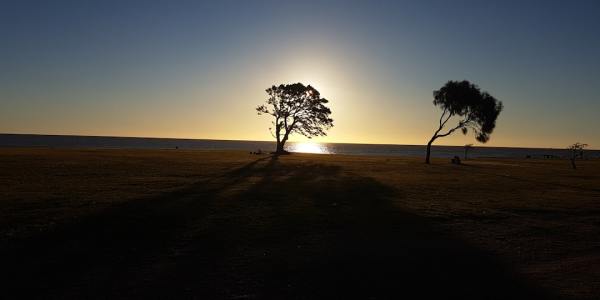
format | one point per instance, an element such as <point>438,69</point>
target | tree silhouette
<point>478,111</point>
<point>296,109</point>
<point>576,152</point>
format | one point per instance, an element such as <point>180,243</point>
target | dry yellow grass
<point>538,217</point>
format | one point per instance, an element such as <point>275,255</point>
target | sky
<point>193,69</point>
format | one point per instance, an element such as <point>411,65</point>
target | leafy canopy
<point>297,109</point>
<point>577,149</point>
<point>479,110</point>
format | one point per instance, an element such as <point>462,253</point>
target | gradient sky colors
<point>192,69</point>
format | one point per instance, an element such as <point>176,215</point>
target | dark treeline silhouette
<point>296,109</point>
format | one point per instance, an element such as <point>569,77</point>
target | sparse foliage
<point>477,110</point>
<point>296,109</point>
<point>576,152</point>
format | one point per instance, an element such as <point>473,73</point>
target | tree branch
<point>442,116</point>
<point>449,131</point>
<point>446,121</point>
<point>442,123</point>
<point>461,124</point>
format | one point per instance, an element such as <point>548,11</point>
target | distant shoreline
<point>4,135</point>
<point>439,151</point>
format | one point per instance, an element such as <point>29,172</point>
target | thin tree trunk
<point>435,135</point>
<point>429,149</point>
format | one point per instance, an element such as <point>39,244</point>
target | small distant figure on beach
<point>455,160</point>
<point>257,152</point>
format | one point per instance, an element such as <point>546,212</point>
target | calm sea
<point>70,141</point>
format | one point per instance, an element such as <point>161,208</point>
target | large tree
<point>296,109</point>
<point>477,111</point>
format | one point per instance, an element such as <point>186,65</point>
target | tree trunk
<point>281,144</point>
<point>279,148</point>
<point>429,150</point>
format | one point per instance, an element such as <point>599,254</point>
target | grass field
<point>213,225</point>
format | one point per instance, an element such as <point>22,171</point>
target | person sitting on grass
<point>258,152</point>
<point>455,160</point>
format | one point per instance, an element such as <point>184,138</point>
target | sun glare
<point>308,148</point>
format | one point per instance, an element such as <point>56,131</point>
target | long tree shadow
<point>314,231</point>
<point>300,230</point>
<point>480,170</point>
<point>97,254</point>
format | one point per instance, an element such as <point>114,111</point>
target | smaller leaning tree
<point>296,109</point>
<point>576,152</point>
<point>477,110</point>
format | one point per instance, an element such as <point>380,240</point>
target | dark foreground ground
<point>214,225</point>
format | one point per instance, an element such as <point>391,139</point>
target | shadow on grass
<point>481,170</point>
<point>271,229</point>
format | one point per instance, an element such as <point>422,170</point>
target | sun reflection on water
<point>308,147</point>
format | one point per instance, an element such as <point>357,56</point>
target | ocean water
<point>71,141</point>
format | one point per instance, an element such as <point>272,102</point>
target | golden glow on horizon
<point>365,108</point>
<point>308,147</point>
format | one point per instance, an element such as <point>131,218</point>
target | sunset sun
<point>308,147</point>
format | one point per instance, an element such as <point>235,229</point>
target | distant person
<point>455,160</point>
<point>257,152</point>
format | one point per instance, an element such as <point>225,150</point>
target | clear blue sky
<point>197,69</point>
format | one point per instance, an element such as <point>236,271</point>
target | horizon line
<point>242,140</point>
